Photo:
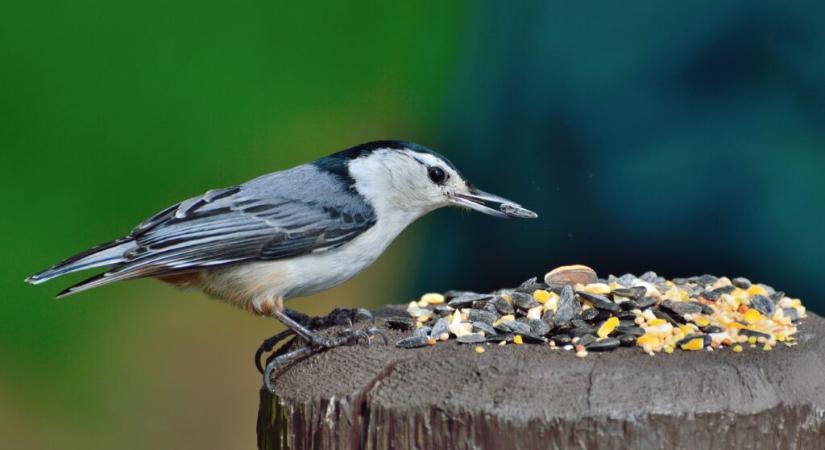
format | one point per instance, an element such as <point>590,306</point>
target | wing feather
<point>254,221</point>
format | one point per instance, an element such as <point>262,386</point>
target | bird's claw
<point>350,336</point>
<point>373,331</point>
<point>275,363</point>
<point>267,346</point>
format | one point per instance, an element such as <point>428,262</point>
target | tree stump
<point>531,397</point>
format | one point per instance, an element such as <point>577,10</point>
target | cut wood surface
<point>531,397</point>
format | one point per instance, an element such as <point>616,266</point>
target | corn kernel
<point>597,288</point>
<point>756,290</point>
<point>518,340</point>
<point>693,344</point>
<point>752,340</point>
<point>752,316</point>
<point>668,349</point>
<point>479,349</point>
<point>647,339</point>
<point>702,321</point>
<point>737,348</point>
<point>541,296</point>
<point>607,327</point>
<point>433,298</point>
<point>656,322</point>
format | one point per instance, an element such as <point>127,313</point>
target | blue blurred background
<point>684,137</point>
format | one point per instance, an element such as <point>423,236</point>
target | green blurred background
<point>684,137</point>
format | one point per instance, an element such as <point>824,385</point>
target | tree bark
<point>530,397</point>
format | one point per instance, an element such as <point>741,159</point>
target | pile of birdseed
<point>575,310</point>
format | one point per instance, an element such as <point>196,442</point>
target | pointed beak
<point>482,201</point>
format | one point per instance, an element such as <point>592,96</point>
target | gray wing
<point>295,212</point>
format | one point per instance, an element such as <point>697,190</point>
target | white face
<point>417,183</point>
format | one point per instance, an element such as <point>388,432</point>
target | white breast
<point>251,285</point>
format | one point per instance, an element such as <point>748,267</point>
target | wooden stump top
<point>530,396</point>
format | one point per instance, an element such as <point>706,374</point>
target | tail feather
<point>107,254</point>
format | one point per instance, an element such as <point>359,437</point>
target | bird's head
<point>403,176</point>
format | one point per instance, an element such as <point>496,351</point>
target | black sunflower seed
<point>472,338</point>
<point>401,323</point>
<point>568,307</point>
<point>466,300</point>
<point>523,301</point>
<point>634,293</point>
<point>600,301</point>
<point>413,342</point>
<point>503,306</point>
<point>478,315</point>
<point>603,345</point>
<point>763,304</point>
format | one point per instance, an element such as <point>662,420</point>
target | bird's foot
<point>348,336</point>
<point>302,326</point>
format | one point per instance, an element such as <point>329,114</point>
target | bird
<point>287,234</point>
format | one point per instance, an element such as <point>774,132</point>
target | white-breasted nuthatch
<point>290,233</point>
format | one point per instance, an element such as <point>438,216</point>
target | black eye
<point>437,175</point>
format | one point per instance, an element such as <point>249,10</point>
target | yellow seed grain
<point>737,348</point>
<point>433,298</point>
<point>518,340</point>
<point>607,327</point>
<point>597,288</point>
<point>693,344</point>
<point>479,349</point>
<point>752,340</point>
<point>752,316</point>
<point>702,321</point>
<point>646,339</point>
<point>541,296</point>
<point>756,290</point>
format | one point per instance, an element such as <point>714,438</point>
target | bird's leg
<point>269,344</point>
